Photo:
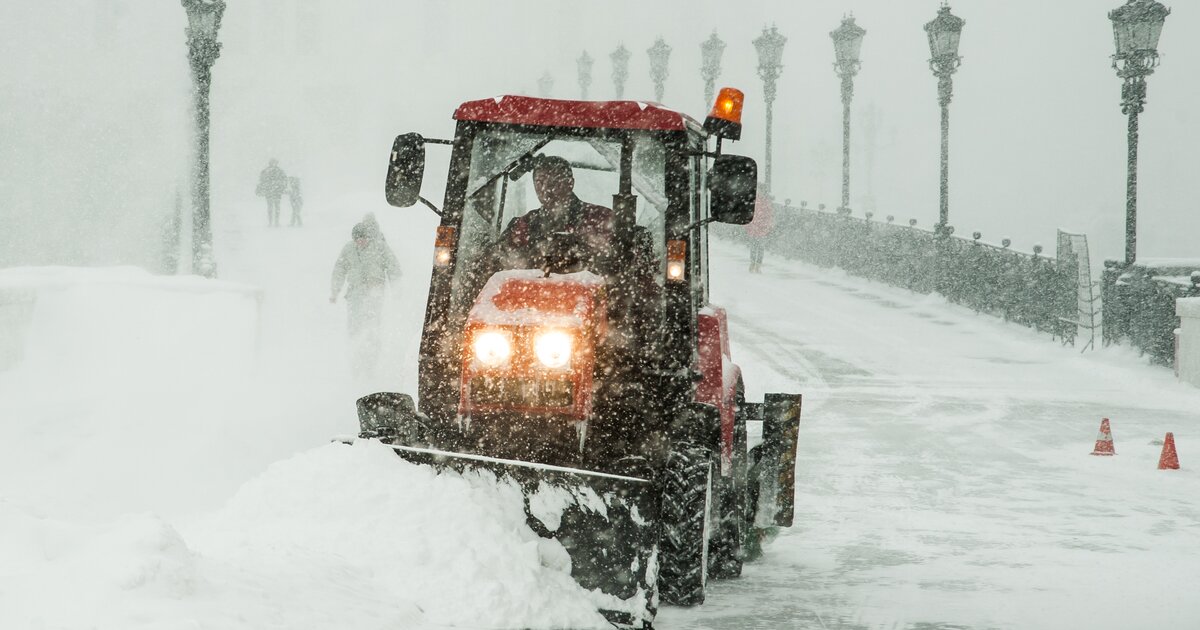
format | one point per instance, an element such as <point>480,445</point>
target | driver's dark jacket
<point>593,225</point>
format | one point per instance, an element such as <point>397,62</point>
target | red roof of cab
<point>549,112</point>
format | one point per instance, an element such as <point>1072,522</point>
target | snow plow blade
<point>605,522</point>
<point>773,474</point>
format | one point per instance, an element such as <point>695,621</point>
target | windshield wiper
<point>524,161</point>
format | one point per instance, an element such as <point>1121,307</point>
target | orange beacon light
<point>725,119</point>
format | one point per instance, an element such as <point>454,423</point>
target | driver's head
<point>553,181</point>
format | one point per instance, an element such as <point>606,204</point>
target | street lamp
<point>847,43</point>
<point>584,64</point>
<point>620,69</point>
<point>660,54</point>
<point>770,63</point>
<point>944,32</point>
<point>545,85</point>
<point>1137,25</point>
<point>204,20</point>
<point>710,65</point>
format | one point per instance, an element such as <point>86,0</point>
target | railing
<point>1139,304</point>
<point>1029,289</point>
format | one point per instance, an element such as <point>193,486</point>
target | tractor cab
<point>644,182</point>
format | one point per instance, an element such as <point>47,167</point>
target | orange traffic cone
<point>1169,460</point>
<point>1104,443</point>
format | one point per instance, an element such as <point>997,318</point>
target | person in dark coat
<point>522,245</point>
<point>272,183</point>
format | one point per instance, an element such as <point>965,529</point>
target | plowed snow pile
<point>116,450</point>
<point>446,548</point>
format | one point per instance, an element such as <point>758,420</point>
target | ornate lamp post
<point>770,63</point>
<point>944,32</point>
<point>620,69</point>
<point>204,20</point>
<point>710,65</point>
<point>660,54</point>
<point>545,85</point>
<point>1137,25</point>
<point>584,64</point>
<point>847,43</point>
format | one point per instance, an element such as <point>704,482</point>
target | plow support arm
<point>774,470</point>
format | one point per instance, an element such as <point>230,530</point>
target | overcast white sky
<point>94,96</point>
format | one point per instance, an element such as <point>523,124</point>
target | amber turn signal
<point>676,260</point>
<point>443,245</point>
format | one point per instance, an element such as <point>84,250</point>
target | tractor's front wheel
<point>686,510</point>
<point>726,553</point>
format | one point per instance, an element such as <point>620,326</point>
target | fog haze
<point>95,122</point>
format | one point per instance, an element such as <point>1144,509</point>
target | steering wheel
<point>563,252</point>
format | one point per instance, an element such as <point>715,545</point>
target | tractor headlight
<point>492,348</point>
<point>553,348</point>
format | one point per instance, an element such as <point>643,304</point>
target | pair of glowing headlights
<point>494,348</point>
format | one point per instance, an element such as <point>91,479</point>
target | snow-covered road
<point>943,481</point>
<point>944,472</point>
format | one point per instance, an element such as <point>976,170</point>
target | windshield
<point>501,188</point>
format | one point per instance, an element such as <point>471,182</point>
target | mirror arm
<point>431,206</point>
<point>695,225</point>
<point>706,153</point>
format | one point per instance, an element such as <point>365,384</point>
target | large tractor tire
<point>685,516</point>
<point>730,523</point>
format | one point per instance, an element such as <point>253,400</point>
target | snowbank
<point>122,398</point>
<point>344,525</point>
<point>76,322</point>
<point>60,575</point>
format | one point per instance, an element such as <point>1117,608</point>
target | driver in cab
<point>563,221</point>
<point>569,234</point>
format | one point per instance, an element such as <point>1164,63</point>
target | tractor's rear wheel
<point>686,511</point>
<point>726,553</point>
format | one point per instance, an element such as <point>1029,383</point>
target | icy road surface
<point>944,476</point>
<point>944,479</point>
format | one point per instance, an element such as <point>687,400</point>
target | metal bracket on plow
<point>777,460</point>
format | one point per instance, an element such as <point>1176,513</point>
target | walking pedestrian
<point>296,200</point>
<point>759,228</point>
<point>365,267</point>
<point>272,183</point>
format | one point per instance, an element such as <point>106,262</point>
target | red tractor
<point>572,349</point>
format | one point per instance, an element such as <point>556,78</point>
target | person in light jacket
<point>365,267</point>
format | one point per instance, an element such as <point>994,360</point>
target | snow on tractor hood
<point>528,297</point>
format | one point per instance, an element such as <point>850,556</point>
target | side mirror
<point>732,186</point>
<point>406,169</point>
